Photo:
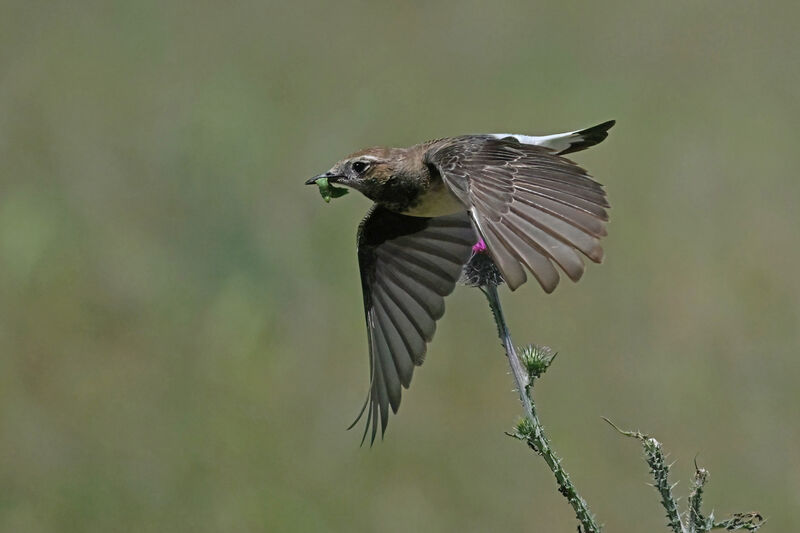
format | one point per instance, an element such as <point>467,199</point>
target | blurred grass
<point>181,339</point>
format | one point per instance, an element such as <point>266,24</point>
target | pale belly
<point>436,202</point>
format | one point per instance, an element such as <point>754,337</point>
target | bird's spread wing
<point>533,207</point>
<point>408,265</point>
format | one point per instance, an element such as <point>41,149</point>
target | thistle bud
<point>480,270</point>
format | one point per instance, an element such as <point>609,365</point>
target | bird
<point>432,202</point>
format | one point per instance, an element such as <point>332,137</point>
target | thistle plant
<point>528,364</point>
<point>693,520</point>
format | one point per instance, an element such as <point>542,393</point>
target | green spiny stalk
<point>659,468</point>
<point>743,521</point>
<point>533,363</point>
<point>697,522</point>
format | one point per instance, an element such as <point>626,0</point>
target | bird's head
<point>366,171</point>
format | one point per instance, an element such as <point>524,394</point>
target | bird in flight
<point>533,208</point>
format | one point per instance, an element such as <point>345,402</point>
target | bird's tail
<point>583,139</point>
<point>572,141</point>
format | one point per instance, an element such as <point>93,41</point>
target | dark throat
<point>399,193</point>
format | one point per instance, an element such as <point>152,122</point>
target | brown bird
<point>533,208</point>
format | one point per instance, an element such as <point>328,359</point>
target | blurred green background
<point>181,332</point>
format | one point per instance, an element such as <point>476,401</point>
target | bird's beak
<point>331,177</point>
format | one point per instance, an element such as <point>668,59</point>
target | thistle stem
<point>537,439</point>
<point>521,379</point>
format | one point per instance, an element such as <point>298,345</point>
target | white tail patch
<point>557,142</point>
<point>564,143</point>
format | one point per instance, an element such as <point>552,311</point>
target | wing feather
<point>571,215</point>
<point>400,348</point>
<point>393,356</point>
<point>407,316</point>
<point>585,242</point>
<point>506,260</point>
<point>564,198</point>
<point>530,255</point>
<point>408,265</point>
<point>560,251</point>
<point>533,207</point>
<point>421,293</point>
<point>429,274</point>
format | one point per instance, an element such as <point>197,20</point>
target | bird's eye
<point>360,166</point>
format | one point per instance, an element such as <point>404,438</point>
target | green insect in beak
<point>328,191</point>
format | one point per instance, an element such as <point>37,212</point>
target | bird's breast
<point>437,201</point>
